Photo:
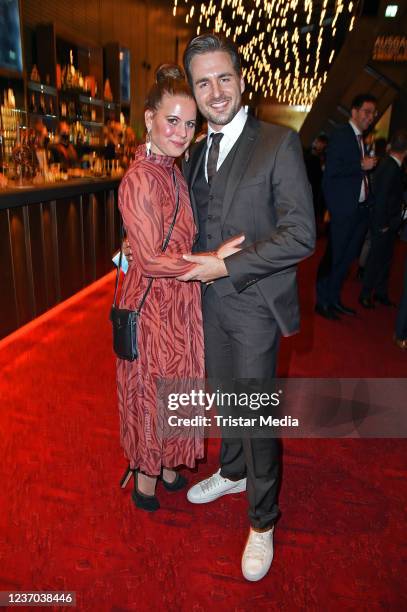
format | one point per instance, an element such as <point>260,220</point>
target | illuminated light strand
<point>275,33</point>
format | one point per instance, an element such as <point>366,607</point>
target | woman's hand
<point>230,247</point>
<point>127,252</point>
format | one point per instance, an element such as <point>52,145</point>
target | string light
<point>281,56</point>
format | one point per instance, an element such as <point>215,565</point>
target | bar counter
<point>33,194</point>
<point>55,239</point>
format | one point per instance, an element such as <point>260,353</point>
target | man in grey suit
<point>247,177</point>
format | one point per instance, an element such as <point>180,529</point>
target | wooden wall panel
<point>51,273</point>
<point>101,242</point>
<point>21,265</point>
<point>51,250</point>
<point>8,311</point>
<point>38,260</point>
<point>88,221</point>
<point>69,246</point>
<point>112,227</point>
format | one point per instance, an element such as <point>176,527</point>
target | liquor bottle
<point>35,75</point>
<point>85,112</point>
<point>59,76</point>
<point>63,77</point>
<point>71,73</point>
<point>43,109</point>
<point>71,110</point>
<point>33,104</point>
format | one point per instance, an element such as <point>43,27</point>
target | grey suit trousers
<point>241,345</point>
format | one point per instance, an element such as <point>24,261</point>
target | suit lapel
<point>241,159</point>
<point>192,169</point>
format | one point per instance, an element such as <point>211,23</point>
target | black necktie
<point>213,155</point>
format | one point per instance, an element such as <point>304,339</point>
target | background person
<point>315,165</point>
<point>385,222</point>
<point>347,193</point>
<point>63,151</point>
<point>400,336</point>
<point>41,141</point>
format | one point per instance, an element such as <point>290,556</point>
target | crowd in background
<point>359,186</point>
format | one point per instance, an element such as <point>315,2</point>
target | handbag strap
<point>119,265</point>
<point>163,248</point>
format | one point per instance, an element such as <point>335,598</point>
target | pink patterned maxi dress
<point>170,337</point>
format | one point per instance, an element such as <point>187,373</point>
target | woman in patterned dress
<point>170,326</point>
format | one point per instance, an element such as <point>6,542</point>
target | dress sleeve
<point>140,205</point>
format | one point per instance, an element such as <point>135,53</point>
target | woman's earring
<point>148,143</point>
<point>186,155</point>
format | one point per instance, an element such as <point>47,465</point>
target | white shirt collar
<point>354,128</point>
<point>233,129</point>
<point>398,162</point>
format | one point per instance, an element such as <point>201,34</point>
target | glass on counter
<point>3,180</point>
<point>38,158</point>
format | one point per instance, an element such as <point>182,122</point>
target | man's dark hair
<point>359,100</point>
<point>322,138</point>
<point>208,43</point>
<point>398,142</point>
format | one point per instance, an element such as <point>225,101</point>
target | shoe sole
<point>258,576</point>
<point>238,489</point>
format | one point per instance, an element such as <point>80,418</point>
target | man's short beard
<point>222,119</point>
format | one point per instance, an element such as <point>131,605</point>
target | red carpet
<point>66,525</point>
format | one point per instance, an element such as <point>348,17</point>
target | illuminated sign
<point>391,10</point>
<point>390,49</point>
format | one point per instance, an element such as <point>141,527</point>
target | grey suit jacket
<point>269,200</point>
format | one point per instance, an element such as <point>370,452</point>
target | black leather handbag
<point>125,322</point>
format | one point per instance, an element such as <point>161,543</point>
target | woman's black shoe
<point>179,483</point>
<point>145,502</point>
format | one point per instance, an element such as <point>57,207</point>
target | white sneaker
<point>258,554</point>
<point>213,487</point>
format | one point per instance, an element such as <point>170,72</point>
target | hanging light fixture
<point>287,45</point>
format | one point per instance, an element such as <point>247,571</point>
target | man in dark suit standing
<point>386,220</point>
<point>400,336</point>
<point>347,190</point>
<point>315,164</point>
<point>247,177</point>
